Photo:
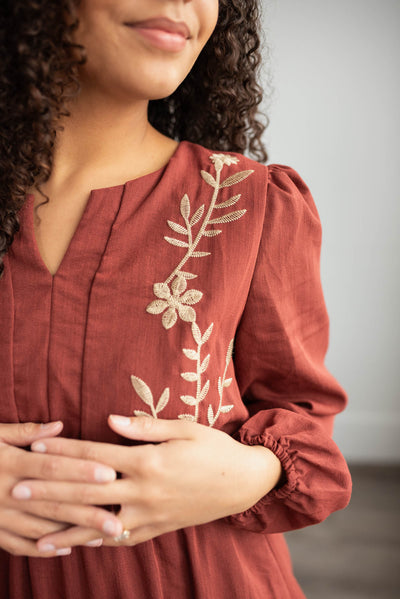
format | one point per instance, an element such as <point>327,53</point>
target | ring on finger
<point>124,536</point>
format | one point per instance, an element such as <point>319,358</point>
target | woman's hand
<point>22,523</point>
<point>192,475</point>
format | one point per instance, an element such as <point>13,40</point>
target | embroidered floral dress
<point>192,292</point>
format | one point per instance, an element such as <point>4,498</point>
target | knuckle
<point>54,510</point>
<point>90,453</point>
<point>145,423</point>
<point>50,467</point>
<point>28,429</point>
<point>34,531</point>
<point>86,495</point>
<point>153,462</point>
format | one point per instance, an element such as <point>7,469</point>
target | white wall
<point>335,119</point>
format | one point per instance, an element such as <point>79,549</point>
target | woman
<point>162,307</point>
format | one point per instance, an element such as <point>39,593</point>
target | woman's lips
<point>163,33</point>
<point>165,40</point>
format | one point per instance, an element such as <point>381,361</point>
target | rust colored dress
<point>190,292</point>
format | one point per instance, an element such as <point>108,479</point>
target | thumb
<point>24,433</point>
<point>153,429</point>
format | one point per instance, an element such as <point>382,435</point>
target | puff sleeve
<point>280,347</point>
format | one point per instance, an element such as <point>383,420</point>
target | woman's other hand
<point>187,474</point>
<point>22,524</point>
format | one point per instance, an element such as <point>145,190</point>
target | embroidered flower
<point>174,303</point>
<point>220,159</point>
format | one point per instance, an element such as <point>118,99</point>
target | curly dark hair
<point>39,74</point>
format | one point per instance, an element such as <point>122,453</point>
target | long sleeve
<point>279,352</point>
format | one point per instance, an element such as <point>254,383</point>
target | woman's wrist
<point>263,472</point>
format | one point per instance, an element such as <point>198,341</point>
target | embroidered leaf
<point>208,178</point>
<point>196,333</point>
<point>200,254</point>
<point>156,307</point>
<point>179,285</point>
<point>169,318</point>
<point>161,290</point>
<point>140,413</point>
<point>190,376</point>
<point>187,313</point>
<point>227,218</point>
<point>210,415</point>
<point>177,242</point>
<point>197,216</point>
<point>177,228</point>
<point>212,232</point>
<point>189,400</point>
<point>219,386</point>
<point>207,334</point>
<point>204,390</point>
<point>187,275</point>
<point>229,352</point>
<point>187,417</point>
<point>191,297</point>
<point>162,402</point>
<point>236,178</point>
<point>227,382</point>
<point>142,390</point>
<point>225,409</point>
<point>185,207</point>
<point>204,364</point>
<point>190,353</point>
<point>229,202</point>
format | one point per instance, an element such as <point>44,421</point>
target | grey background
<point>335,118</point>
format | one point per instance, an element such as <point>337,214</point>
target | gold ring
<point>123,536</point>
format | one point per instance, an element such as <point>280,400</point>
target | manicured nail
<point>39,446</point>
<point>21,492</point>
<point>50,425</point>
<point>120,420</point>
<point>64,551</point>
<point>112,528</point>
<point>95,543</point>
<point>104,475</point>
<point>47,547</point>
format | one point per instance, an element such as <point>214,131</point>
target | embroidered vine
<point>174,299</point>
<point>144,392</point>
<point>170,301</point>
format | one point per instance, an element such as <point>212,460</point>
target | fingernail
<point>120,420</point>
<point>64,551</point>
<point>50,425</point>
<point>104,475</point>
<point>112,528</point>
<point>95,543</point>
<point>47,547</point>
<point>21,492</point>
<point>39,446</point>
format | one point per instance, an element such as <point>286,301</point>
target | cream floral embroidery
<point>174,299</point>
<point>175,302</point>
<point>168,299</point>
<point>145,394</point>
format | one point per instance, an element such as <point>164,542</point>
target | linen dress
<point>190,292</point>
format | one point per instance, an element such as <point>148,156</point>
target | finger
<point>17,545</point>
<point>24,433</point>
<point>81,515</point>
<point>50,467</point>
<point>118,457</point>
<point>154,429</point>
<point>28,525</point>
<point>137,535</point>
<point>120,491</point>
<point>76,535</point>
